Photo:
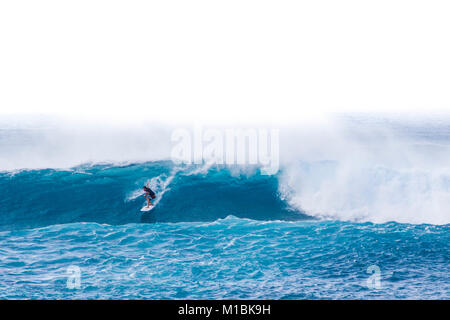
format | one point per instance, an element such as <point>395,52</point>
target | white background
<point>223,60</point>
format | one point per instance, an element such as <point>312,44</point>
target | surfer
<point>149,194</point>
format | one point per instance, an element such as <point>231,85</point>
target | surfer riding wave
<point>149,194</point>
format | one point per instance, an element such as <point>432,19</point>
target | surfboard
<point>145,208</point>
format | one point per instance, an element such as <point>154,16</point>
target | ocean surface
<point>318,229</point>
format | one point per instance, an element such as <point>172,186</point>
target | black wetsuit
<point>150,192</point>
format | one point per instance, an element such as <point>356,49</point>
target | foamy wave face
<point>375,172</point>
<point>376,194</point>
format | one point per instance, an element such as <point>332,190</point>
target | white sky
<point>223,60</point>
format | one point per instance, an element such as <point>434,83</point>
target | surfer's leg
<point>149,203</point>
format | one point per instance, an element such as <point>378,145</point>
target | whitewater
<point>350,194</point>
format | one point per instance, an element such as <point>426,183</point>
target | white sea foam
<point>371,173</point>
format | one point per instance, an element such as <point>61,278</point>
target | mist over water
<point>376,170</point>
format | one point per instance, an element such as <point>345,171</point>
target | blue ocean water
<point>215,233</point>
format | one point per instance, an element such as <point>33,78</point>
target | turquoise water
<point>213,234</point>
